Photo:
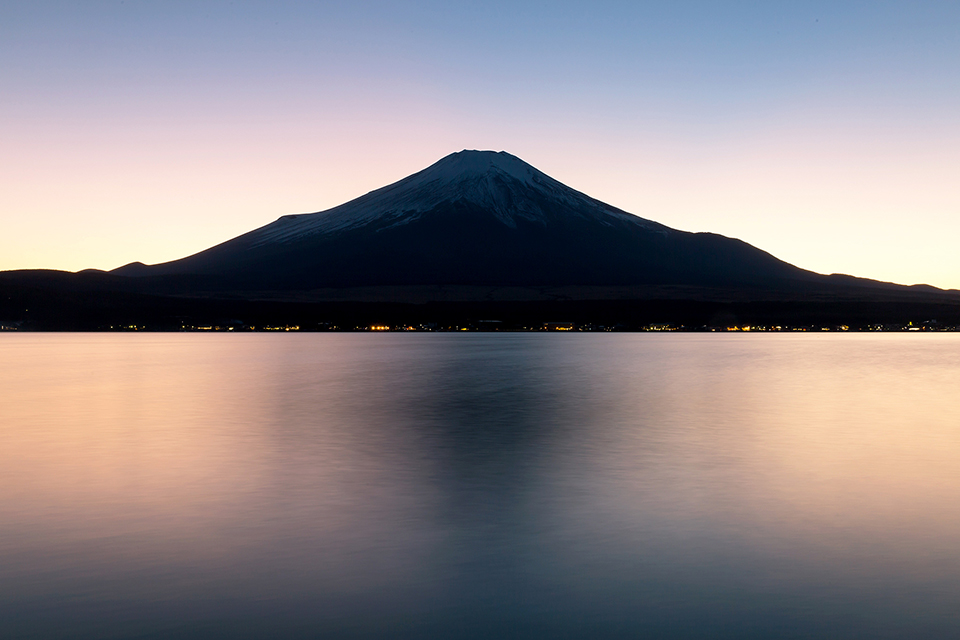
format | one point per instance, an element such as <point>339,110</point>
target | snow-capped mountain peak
<point>498,182</point>
<point>474,218</point>
<point>469,164</point>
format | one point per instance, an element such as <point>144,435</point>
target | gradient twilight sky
<point>827,133</point>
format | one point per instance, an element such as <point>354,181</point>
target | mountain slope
<point>477,218</point>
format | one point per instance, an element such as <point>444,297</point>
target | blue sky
<point>825,133</point>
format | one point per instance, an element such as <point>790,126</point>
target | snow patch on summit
<point>503,184</point>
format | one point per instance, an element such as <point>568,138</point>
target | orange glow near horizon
<point>72,209</point>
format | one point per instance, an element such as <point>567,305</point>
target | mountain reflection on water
<point>481,485</point>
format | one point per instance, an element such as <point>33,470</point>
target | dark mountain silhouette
<point>477,218</point>
<point>477,234</point>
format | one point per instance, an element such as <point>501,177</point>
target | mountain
<point>477,235</point>
<point>476,218</point>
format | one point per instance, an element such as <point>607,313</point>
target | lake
<point>479,485</point>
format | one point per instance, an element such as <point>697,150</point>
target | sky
<point>826,133</point>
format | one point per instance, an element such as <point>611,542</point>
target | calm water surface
<point>479,486</point>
